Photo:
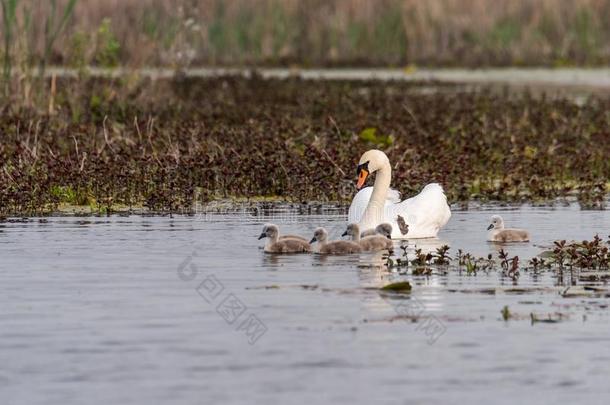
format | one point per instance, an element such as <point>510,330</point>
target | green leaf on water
<point>401,286</point>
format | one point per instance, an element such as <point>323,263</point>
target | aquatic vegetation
<point>506,315</point>
<point>536,319</point>
<point>556,317</point>
<point>421,259</point>
<point>424,263</point>
<point>537,263</point>
<point>472,264</point>
<point>513,272</point>
<point>170,144</point>
<point>398,263</point>
<point>585,255</point>
<point>398,287</point>
<point>594,254</point>
<point>441,258</point>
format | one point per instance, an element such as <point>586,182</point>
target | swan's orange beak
<point>362,175</point>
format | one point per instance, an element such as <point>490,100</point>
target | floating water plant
<point>399,287</point>
<point>441,258</point>
<point>589,255</point>
<point>506,315</point>
<point>594,254</point>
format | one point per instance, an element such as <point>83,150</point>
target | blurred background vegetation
<point>134,138</point>
<point>388,33</point>
<point>179,34</point>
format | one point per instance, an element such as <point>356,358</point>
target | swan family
<point>424,214</point>
<point>377,215</point>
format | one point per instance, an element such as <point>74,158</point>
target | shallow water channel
<point>189,309</point>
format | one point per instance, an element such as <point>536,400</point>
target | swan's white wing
<point>393,196</point>
<point>361,200</point>
<point>425,213</point>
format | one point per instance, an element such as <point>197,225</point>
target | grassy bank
<point>167,144</point>
<point>317,33</point>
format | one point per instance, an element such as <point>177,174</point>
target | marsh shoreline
<point>165,144</point>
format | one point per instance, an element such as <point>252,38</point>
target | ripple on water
<point>98,302</point>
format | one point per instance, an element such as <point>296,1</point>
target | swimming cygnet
<point>497,233</point>
<point>282,237</point>
<point>276,244</point>
<point>336,247</point>
<point>384,229</point>
<point>371,243</point>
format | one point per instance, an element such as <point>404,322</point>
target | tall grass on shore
<point>331,32</point>
<point>23,50</point>
<point>53,26</point>
<point>183,33</point>
<point>9,8</point>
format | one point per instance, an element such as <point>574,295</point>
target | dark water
<point>190,310</point>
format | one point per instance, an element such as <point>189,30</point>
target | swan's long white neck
<point>374,212</point>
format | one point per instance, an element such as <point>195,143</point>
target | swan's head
<point>384,229</point>
<point>352,230</point>
<point>319,235</point>
<point>496,223</point>
<point>269,231</point>
<point>370,162</point>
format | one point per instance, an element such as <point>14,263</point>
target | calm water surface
<point>190,310</point>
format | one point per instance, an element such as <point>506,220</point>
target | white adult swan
<point>425,213</point>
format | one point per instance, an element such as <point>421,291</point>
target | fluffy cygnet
<point>276,244</point>
<point>384,229</point>
<point>282,237</point>
<point>497,233</point>
<point>368,243</point>
<point>337,247</point>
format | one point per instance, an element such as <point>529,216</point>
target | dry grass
<point>335,32</point>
